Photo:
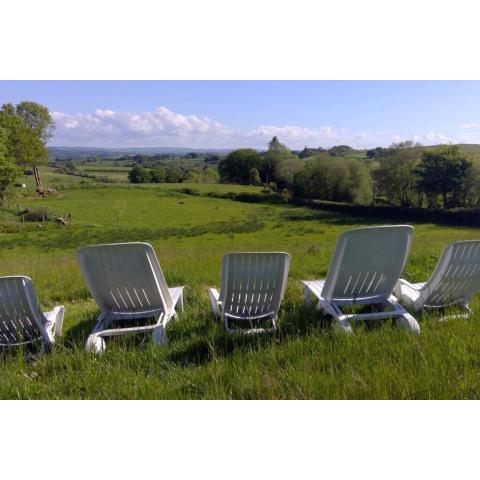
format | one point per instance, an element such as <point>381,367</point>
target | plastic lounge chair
<point>366,264</point>
<point>21,321</point>
<point>126,281</point>
<point>252,289</point>
<point>455,280</point>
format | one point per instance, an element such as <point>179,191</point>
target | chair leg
<point>344,325</point>
<point>159,336</point>
<point>179,304</point>
<point>95,343</point>
<point>214,296</point>
<point>408,322</point>
<point>335,312</point>
<point>59,315</point>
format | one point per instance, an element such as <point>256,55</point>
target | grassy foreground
<point>307,358</point>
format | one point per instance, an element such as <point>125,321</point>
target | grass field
<point>307,358</point>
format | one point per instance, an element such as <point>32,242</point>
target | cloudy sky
<point>229,114</point>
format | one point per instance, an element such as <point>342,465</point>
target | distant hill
<point>470,147</point>
<point>84,152</point>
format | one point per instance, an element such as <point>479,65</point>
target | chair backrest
<point>367,262</point>
<point>456,277</point>
<point>20,316</point>
<point>124,277</point>
<point>253,283</point>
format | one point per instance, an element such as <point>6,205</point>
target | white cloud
<point>431,138</point>
<point>470,125</point>
<point>164,128</point>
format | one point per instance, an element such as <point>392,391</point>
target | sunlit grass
<point>306,358</point>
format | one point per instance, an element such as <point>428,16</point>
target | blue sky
<point>228,114</point>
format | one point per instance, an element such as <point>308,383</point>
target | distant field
<point>307,358</point>
<point>118,174</point>
<point>110,170</point>
<point>51,179</point>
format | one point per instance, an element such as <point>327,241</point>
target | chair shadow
<point>76,335</point>
<point>205,339</point>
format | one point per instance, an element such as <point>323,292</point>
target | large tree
<point>339,180</point>
<point>447,173</point>
<point>395,175</point>
<point>29,126</point>
<point>9,170</point>
<point>139,174</point>
<point>339,150</point>
<point>22,144</point>
<point>273,160</point>
<point>38,118</point>
<point>240,166</point>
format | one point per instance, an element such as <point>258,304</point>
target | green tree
<point>9,170</point>
<point>395,176</point>
<point>447,173</point>
<point>275,146</point>
<point>236,167</point>
<point>158,175</point>
<point>339,150</point>
<point>272,160</point>
<point>38,118</point>
<point>139,175</point>
<point>327,178</point>
<point>192,177</point>
<point>210,175</point>
<point>30,148</point>
<point>405,144</point>
<point>310,152</point>
<point>22,143</point>
<point>174,175</point>
<point>254,177</point>
<point>286,172</point>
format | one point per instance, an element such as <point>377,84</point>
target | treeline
<point>443,176</point>
<point>325,175</point>
<point>404,174</point>
<point>141,174</point>
<point>190,159</point>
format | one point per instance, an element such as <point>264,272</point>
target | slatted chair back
<point>253,284</point>
<point>20,316</point>
<point>124,277</point>
<point>456,278</point>
<point>367,262</point>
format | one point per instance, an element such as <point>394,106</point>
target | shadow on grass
<point>335,218</point>
<point>197,338</point>
<point>76,237</point>
<point>76,335</point>
<point>200,341</point>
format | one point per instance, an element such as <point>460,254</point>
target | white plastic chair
<point>252,289</point>
<point>455,280</point>
<point>126,281</point>
<point>366,264</point>
<point>21,320</point>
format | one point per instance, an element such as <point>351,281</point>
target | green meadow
<point>306,358</point>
